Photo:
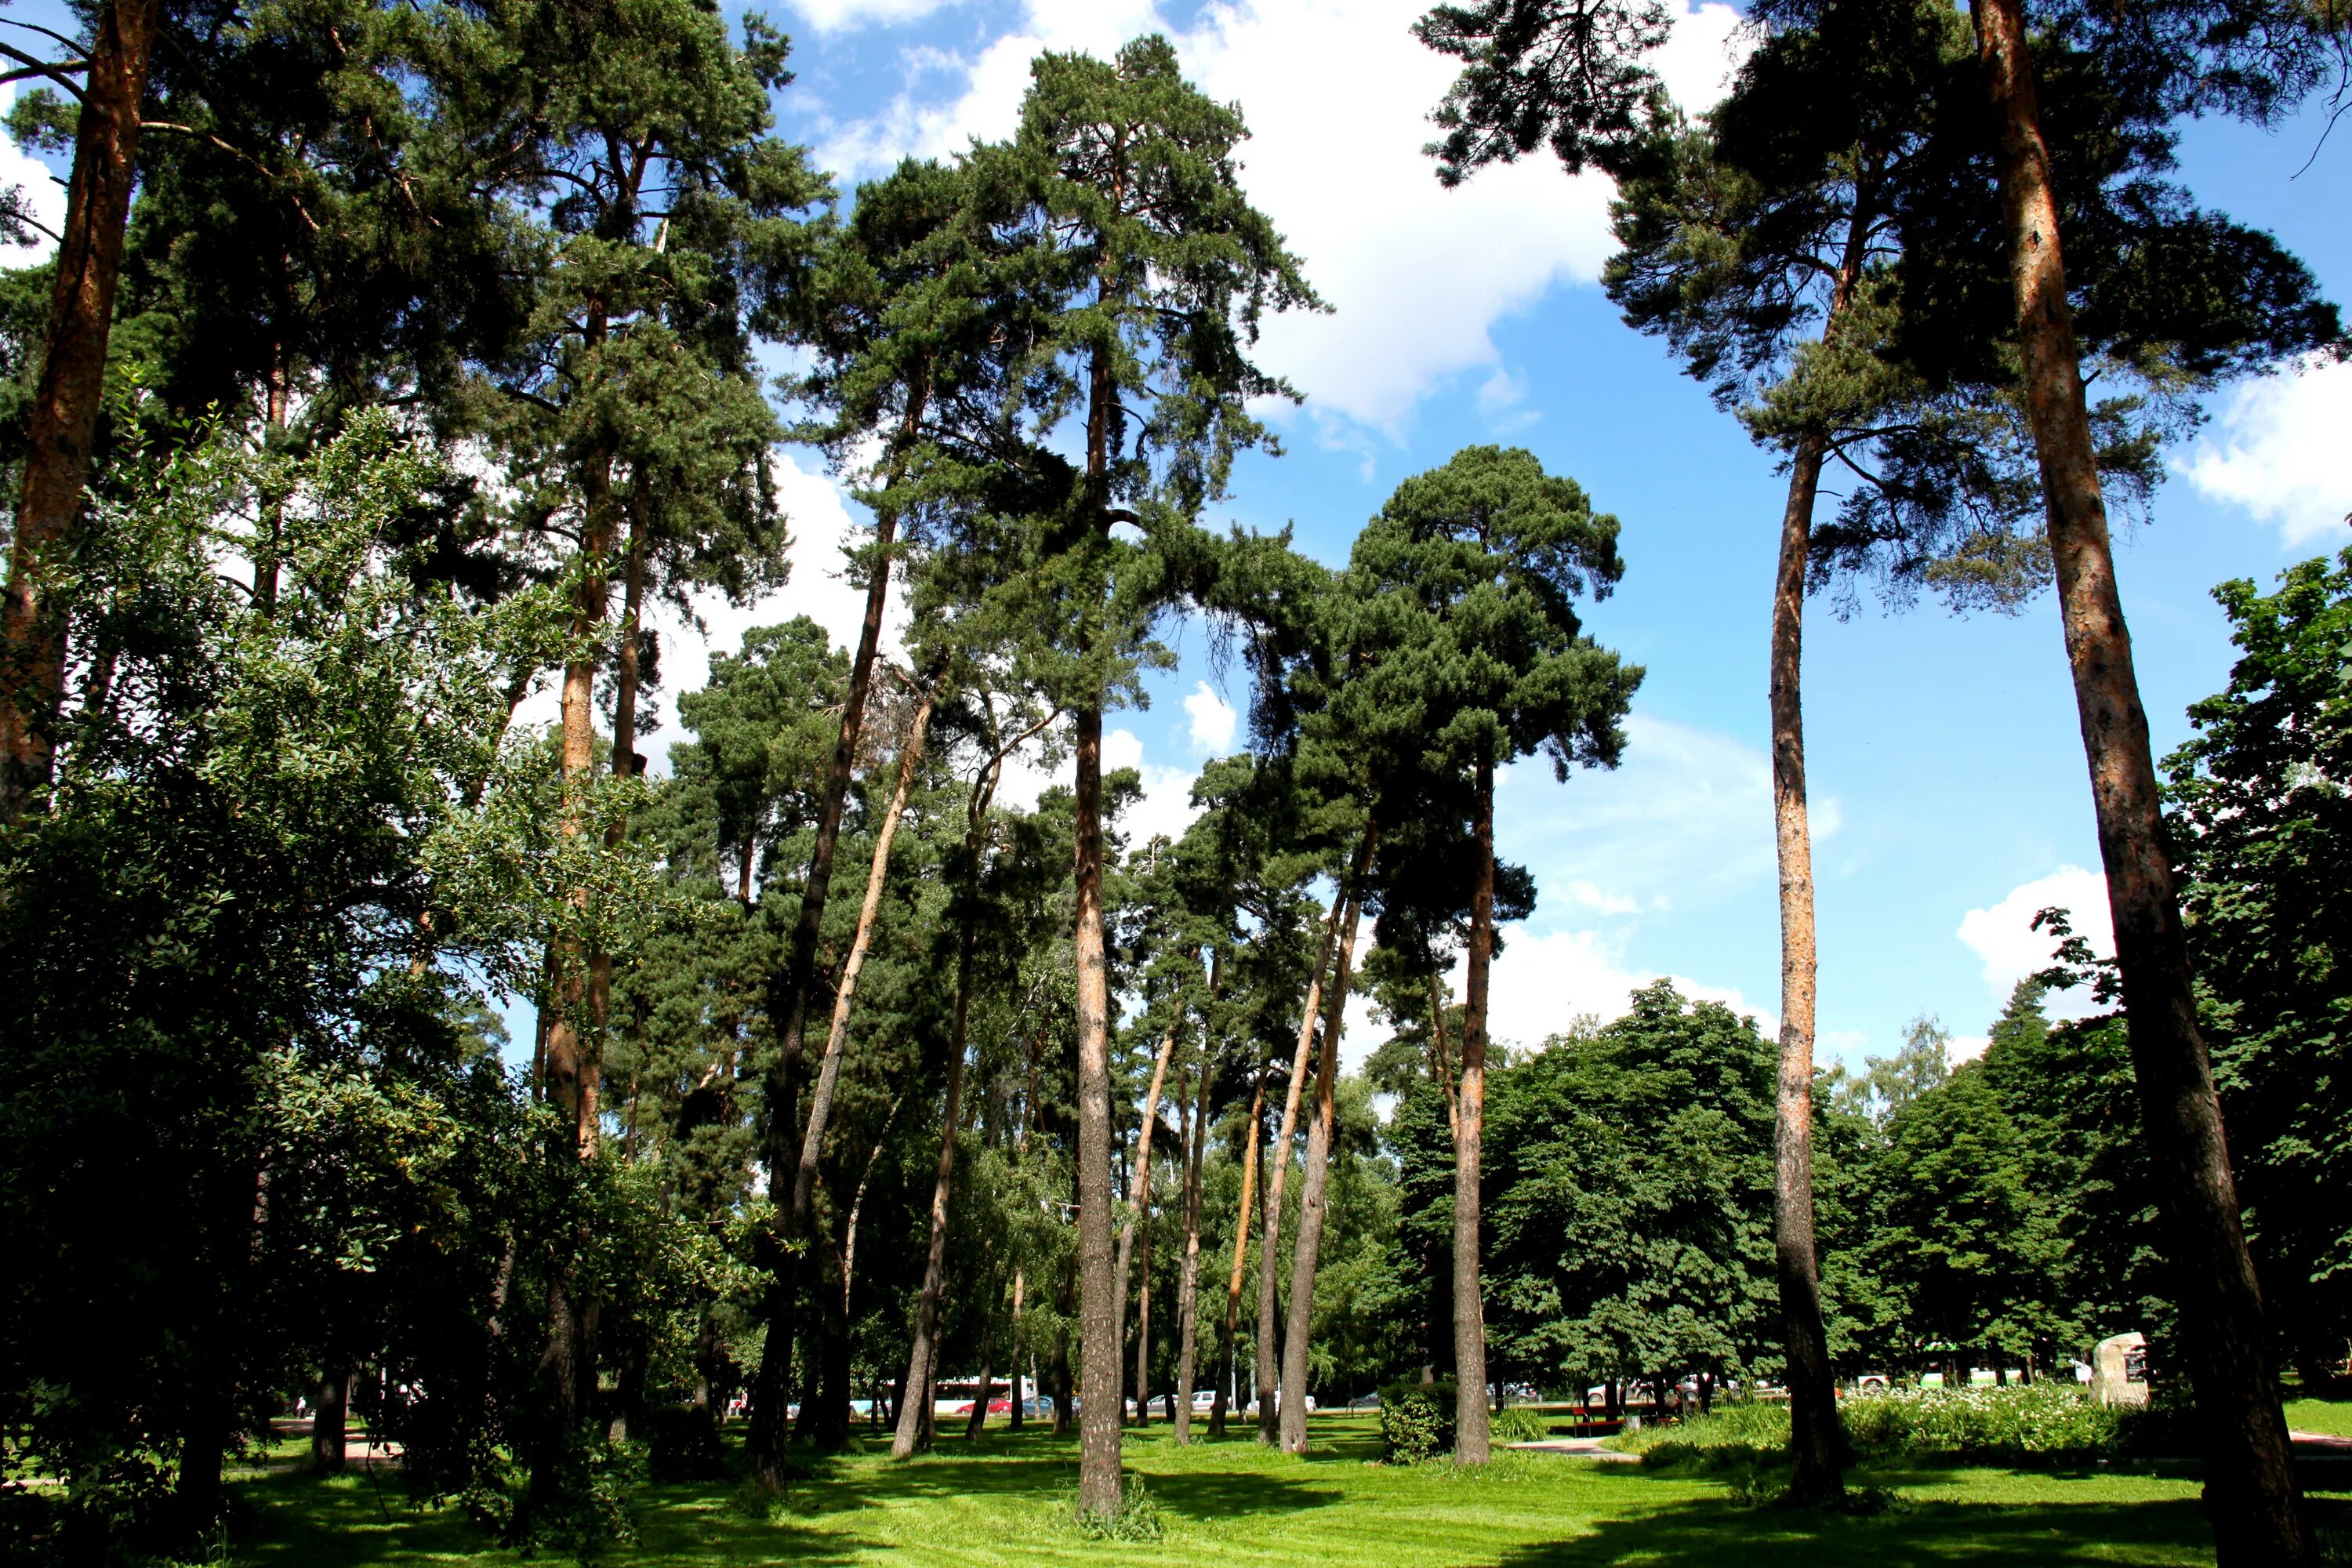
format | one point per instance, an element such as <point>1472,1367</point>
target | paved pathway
<point>1586,1447</point>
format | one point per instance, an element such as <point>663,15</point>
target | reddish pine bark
<point>1470,1443</point>
<point>788,1001</point>
<point>1307,1250</point>
<point>62,422</point>
<point>1269,1370</point>
<point>1256,1133</point>
<point>1099,1373</point>
<point>1139,1219</point>
<point>2251,1496</point>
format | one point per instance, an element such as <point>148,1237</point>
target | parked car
<point>1205,1400</point>
<point>995,1407</point>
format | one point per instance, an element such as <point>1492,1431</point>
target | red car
<point>995,1407</point>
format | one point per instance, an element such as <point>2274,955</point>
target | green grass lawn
<point>1005,1500</point>
<point>2333,1416</point>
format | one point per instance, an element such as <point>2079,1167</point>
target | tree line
<point>429,357</point>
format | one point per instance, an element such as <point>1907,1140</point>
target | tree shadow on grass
<point>1923,1535</point>
<point>1044,1477</point>
<point>1234,1494</point>
<point>301,1521</point>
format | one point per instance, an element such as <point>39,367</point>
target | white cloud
<point>43,195</point>
<point>1419,277</point>
<point>1212,720</point>
<point>1599,899</point>
<point>2277,450</point>
<point>1686,818</point>
<point>1706,47</point>
<point>1502,392</point>
<point>1544,982</point>
<point>821,524</point>
<point>1966,1048</point>
<point>2003,936</point>
<point>1166,807</point>
<point>834,15</point>
<point>993,81</point>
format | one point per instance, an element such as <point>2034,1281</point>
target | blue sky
<point>1950,798</point>
<point>1950,792</point>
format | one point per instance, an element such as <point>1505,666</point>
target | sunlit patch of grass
<point>2331,1416</point>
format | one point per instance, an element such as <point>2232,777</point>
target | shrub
<point>1416,1421</point>
<point>2044,1421</point>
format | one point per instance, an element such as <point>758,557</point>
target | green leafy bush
<point>1416,1421</point>
<point>2045,1421</point>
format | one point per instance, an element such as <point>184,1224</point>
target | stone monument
<point>2119,1370</point>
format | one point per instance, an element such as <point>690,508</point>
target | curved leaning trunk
<point>1470,1444</point>
<point>788,999</point>
<point>63,420</point>
<point>921,1372</point>
<point>815,1419</point>
<point>1243,1213</point>
<point>1817,1440</point>
<point>1269,1369</point>
<point>1140,1219</point>
<point>2254,1501</point>
<point>837,1038</point>
<point>1307,1250</point>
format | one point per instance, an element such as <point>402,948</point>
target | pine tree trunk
<point>1100,1374</point>
<point>269,529</point>
<point>2256,1508</point>
<point>820,1113</point>
<point>1014,1418</point>
<point>1269,1371</point>
<point>973,1428</point>
<point>878,874</point>
<point>1470,1446</point>
<point>1187,1287</point>
<point>572,1066</point>
<point>1307,1250</point>
<point>62,422</point>
<point>329,1421</point>
<point>1143,1333</point>
<point>1061,1363</point>
<point>1442,1064</point>
<point>1817,1441</point>
<point>626,677</point>
<point>927,1304</point>
<point>1232,1327</point>
<point>788,999</point>
<point>1140,1216</point>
